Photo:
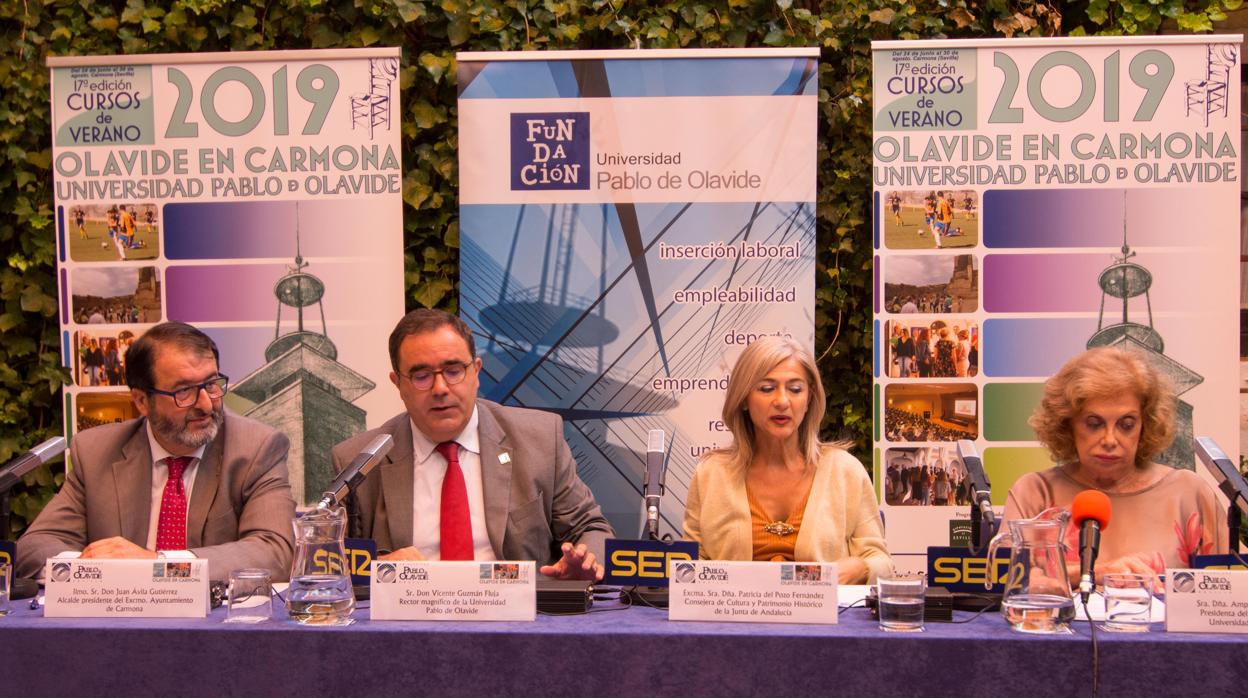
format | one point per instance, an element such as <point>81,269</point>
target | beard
<point>179,432</point>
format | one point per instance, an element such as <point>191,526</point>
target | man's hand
<point>117,548</point>
<point>408,554</point>
<point>577,563</point>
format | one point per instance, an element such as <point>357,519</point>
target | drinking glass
<point>250,596</point>
<point>1128,602</point>
<point>901,603</point>
<point>6,583</point>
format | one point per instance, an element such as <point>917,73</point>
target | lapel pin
<point>504,458</point>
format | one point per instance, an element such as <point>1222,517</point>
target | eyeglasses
<point>453,374</point>
<point>185,397</point>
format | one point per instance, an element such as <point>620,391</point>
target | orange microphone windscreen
<point>1093,505</point>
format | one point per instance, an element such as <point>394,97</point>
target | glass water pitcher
<point>1037,596</point>
<point>320,582</point>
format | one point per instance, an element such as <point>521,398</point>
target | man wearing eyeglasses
<point>185,479</point>
<point>469,479</point>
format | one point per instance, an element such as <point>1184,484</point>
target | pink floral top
<point>1169,521</point>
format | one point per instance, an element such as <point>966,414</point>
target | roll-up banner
<point>629,221</point>
<point>1033,199</point>
<point>256,196</point>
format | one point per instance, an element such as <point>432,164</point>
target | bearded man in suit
<point>469,479</point>
<point>185,479</point>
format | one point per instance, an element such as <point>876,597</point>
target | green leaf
<point>458,30</point>
<point>431,292</point>
<point>368,36</point>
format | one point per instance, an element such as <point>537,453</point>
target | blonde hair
<point>1097,374</point>
<point>759,359</point>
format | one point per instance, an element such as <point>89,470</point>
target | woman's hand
<point>1151,563</point>
<point>851,570</point>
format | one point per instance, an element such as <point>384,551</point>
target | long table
<point>621,651</point>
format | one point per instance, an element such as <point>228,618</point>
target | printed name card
<point>126,588</point>
<point>754,592</point>
<point>453,591</point>
<point>1207,601</point>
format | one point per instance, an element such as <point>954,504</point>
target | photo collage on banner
<point>629,222</point>
<point>256,196</point>
<point>1034,199</point>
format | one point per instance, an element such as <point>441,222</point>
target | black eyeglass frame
<point>433,374</point>
<point>191,392</point>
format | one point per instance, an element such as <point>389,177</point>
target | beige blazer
<point>842,516</point>
<point>239,515</point>
<point>534,500</point>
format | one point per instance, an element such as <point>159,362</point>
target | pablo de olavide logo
<point>88,572</point>
<point>1184,582</point>
<point>60,572</point>
<point>549,151</point>
<point>1213,582</point>
<point>414,574</point>
<point>713,574</point>
<point>385,574</point>
<point>685,573</point>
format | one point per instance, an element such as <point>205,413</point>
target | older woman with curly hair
<point>777,492</point>
<point>1104,417</point>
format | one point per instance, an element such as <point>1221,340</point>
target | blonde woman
<point>777,492</point>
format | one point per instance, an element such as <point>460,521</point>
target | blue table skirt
<point>631,651</point>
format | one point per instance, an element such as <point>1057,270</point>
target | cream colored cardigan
<point>842,516</point>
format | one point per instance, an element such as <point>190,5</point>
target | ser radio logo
<point>550,151</point>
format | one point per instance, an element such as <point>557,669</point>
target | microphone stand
<point>656,597</point>
<point>354,525</point>
<point>18,588</point>
<point>977,520</point>
<point>1234,517</point>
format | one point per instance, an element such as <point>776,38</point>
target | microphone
<point>654,483</point>
<point>1232,484</point>
<point>355,472</point>
<point>1090,512</point>
<point>1229,479</point>
<point>981,489</point>
<point>12,472</point>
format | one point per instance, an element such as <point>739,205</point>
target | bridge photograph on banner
<point>1032,200</point>
<point>629,222</point>
<point>256,196</point>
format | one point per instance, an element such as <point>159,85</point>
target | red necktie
<point>456,519</point>
<point>171,527</point>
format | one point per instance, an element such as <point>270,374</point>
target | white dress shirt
<point>427,492</point>
<point>160,475</point>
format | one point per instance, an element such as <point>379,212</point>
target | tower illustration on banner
<point>302,389</point>
<point>1124,280</point>
<point>372,109</point>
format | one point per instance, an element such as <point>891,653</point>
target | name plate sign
<point>453,590</point>
<point>753,592</point>
<point>126,588</point>
<point>1207,601</point>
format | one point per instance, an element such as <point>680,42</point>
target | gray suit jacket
<point>533,503</point>
<point>239,515</point>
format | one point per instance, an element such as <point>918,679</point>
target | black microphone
<point>654,482</point>
<point>355,472</point>
<point>12,472</point>
<point>1232,484</point>
<point>981,489</point>
<point>1090,512</point>
<point>1229,479</point>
